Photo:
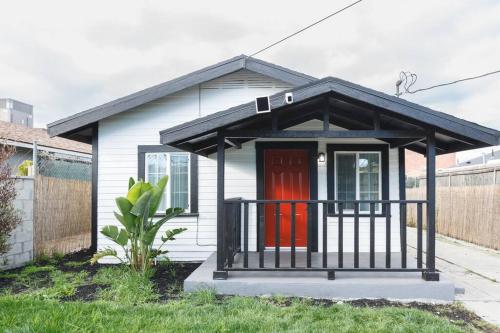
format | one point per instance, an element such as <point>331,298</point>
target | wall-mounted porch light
<point>321,157</point>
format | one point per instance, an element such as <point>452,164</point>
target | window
<point>181,190</point>
<point>357,177</point>
<point>357,172</point>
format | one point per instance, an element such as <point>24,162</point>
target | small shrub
<point>42,258</point>
<point>9,216</point>
<point>57,256</point>
<point>51,259</point>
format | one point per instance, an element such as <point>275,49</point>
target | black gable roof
<point>88,117</point>
<point>350,101</point>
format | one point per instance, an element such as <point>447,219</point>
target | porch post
<point>402,196</point>
<point>220,274</point>
<point>431,274</point>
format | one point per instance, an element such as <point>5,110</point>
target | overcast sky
<point>66,56</point>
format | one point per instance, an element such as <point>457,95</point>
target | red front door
<point>286,177</point>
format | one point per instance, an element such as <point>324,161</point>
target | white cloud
<point>66,56</point>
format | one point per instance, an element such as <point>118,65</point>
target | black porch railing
<point>236,239</point>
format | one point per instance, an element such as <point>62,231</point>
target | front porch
<point>345,235</point>
<point>347,285</point>
<point>323,252</point>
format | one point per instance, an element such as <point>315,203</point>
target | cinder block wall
<point>22,237</point>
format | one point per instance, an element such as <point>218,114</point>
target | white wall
<point>21,239</point>
<point>120,135</point>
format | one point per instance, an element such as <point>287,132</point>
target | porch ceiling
<point>339,103</point>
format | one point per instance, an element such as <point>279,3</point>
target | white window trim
<point>358,194</point>
<point>167,188</point>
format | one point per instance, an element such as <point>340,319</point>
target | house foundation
<point>401,286</point>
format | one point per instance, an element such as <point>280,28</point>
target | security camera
<point>289,98</point>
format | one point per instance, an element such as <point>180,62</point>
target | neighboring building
<point>415,163</point>
<point>57,148</point>
<point>483,157</point>
<point>16,112</point>
<point>335,141</point>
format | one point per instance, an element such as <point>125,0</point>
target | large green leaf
<point>138,189</point>
<point>153,229</point>
<point>158,192</point>
<point>119,236</point>
<point>108,252</point>
<point>128,219</point>
<point>170,234</point>
<point>142,205</point>
<point>131,182</point>
<point>119,217</point>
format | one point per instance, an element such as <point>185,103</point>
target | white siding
<point>120,135</point>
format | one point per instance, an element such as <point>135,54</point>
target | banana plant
<point>139,229</point>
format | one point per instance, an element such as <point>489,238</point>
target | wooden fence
<point>62,216</point>
<point>467,205</point>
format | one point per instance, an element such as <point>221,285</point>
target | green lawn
<point>71,296</point>
<point>203,313</point>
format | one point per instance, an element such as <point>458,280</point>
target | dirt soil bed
<point>168,278</point>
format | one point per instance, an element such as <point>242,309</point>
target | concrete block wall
<point>21,239</point>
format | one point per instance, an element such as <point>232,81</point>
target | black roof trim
<point>348,90</point>
<point>225,67</point>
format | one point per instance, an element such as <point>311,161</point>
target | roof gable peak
<point>95,114</point>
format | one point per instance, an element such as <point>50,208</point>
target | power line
<point>305,28</point>
<point>408,79</point>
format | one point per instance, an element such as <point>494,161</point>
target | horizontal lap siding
<point>120,135</point>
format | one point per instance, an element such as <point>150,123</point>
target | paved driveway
<point>475,271</point>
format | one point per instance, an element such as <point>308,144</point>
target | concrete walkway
<point>474,270</point>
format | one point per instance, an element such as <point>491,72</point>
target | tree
<point>9,216</point>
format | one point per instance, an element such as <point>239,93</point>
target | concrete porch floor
<point>347,285</point>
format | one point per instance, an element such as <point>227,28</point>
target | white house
<point>328,158</point>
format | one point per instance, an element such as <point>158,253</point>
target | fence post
<point>35,158</point>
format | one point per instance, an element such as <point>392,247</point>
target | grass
<point>125,286</point>
<point>63,285</point>
<point>202,312</point>
<point>41,298</point>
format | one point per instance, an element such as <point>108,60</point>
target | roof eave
<point>150,94</point>
<point>341,88</point>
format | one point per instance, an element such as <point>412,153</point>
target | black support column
<point>220,274</point>
<point>431,274</point>
<point>402,210</point>
<point>95,172</point>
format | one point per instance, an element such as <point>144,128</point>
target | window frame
<point>357,176</point>
<point>333,149</point>
<point>143,150</point>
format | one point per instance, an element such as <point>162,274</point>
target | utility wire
<point>305,28</point>
<point>412,79</point>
